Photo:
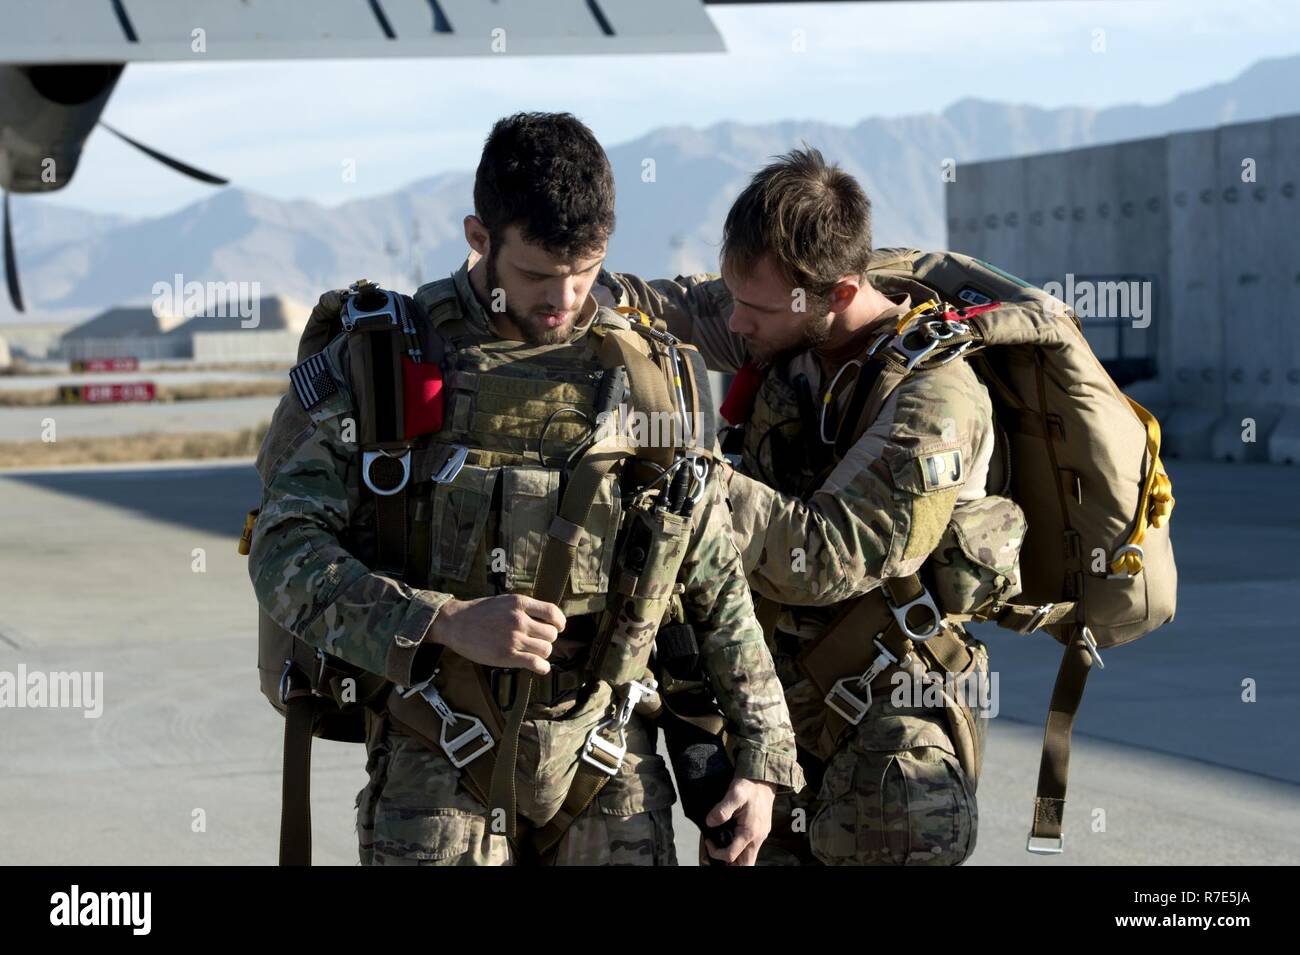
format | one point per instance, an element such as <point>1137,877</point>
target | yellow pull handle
<point>246,538</point>
<point>1157,502</point>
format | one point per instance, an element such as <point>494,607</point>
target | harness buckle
<point>1037,619</point>
<point>1090,644</point>
<point>451,467</point>
<point>924,601</point>
<point>851,707</point>
<point>1045,845</point>
<point>840,693</point>
<point>320,673</point>
<point>597,749</point>
<point>915,344</point>
<point>597,746</point>
<point>368,458</point>
<point>912,354</point>
<point>475,734</point>
<point>285,686</point>
<point>953,354</point>
<point>388,315</point>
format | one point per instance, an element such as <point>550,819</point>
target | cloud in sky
<point>286,129</point>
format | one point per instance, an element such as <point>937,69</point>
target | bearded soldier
<point>837,505</point>
<point>442,515</point>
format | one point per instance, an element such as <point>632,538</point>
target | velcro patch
<point>941,469</point>
<point>312,381</point>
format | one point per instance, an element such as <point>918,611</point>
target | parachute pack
<point>1079,457</point>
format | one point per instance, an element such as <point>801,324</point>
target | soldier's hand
<point>750,803</point>
<point>509,630</point>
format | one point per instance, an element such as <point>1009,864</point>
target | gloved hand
<point>323,324</point>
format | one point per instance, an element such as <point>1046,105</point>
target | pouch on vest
<point>977,561</point>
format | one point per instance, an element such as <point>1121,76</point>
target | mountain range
<point>76,263</point>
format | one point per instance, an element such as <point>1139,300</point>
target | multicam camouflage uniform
<point>314,518</point>
<point>815,532</point>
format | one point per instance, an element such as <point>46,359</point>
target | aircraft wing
<point>124,31</point>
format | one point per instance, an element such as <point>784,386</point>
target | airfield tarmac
<point>116,420</point>
<point>98,573</point>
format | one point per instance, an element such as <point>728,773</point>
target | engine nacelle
<point>46,113</point>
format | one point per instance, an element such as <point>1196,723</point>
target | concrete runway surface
<point>115,420</point>
<point>97,573</point>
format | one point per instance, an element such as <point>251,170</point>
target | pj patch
<point>941,469</point>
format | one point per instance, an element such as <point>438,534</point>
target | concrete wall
<point>145,348</point>
<point>1193,353</point>
<point>1222,257</point>
<point>1282,198</point>
<point>246,346</point>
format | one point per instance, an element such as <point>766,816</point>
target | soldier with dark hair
<point>500,565</point>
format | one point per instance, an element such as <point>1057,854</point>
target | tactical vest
<point>529,485</point>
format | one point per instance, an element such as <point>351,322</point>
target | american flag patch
<point>312,381</point>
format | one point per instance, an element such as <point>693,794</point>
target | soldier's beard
<point>814,333</point>
<point>532,326</point>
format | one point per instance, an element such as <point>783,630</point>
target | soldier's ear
<point>843,293</point>
<point>476,234</point>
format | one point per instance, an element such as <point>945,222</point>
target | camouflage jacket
<point>817,539</point>
<point>310,581</point>
<point>815,532</point>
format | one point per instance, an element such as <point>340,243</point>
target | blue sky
<point>285,129</point>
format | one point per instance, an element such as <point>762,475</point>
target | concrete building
<point>132,332</point>
<point>1181,255</point>
<point>267,332</point>
<point>33,340</point>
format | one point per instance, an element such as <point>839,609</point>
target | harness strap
<point>295,776</point>
<point>648,382</point>
<point>377,380</point>
<point>1054,768</point>
<point>558,554</point>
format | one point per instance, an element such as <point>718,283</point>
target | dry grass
<point>131,448</point>
<point>201,391</point>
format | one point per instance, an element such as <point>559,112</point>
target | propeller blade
<point>11,261</point>
<point>166,160</point>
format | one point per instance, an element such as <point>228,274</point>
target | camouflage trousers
<point>893,793</point>
<point>416,811</point>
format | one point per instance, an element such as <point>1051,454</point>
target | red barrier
<point>108,394</point>
<point>106,364</point>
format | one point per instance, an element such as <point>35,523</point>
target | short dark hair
<point>547,174</point>
<point>812,217</point>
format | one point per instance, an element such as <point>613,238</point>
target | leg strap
<point>1054,769</point>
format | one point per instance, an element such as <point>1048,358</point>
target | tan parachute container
<point>1075,453</point>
